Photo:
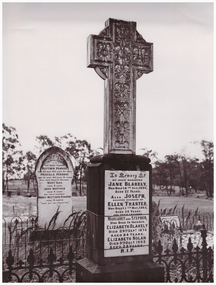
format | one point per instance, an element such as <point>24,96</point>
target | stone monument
<point>54,173</point>
<point>119,187</point>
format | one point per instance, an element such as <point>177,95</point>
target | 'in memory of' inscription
<point>126,224</point>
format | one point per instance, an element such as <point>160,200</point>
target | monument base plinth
<point>88,271</point>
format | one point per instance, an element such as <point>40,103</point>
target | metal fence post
<point>204,252</point>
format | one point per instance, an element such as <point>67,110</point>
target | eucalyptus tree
<point>207,166</point>
<point>42,143</point>
<point>153,155</point>
<point>12,155</point>
<point>171,164</point>
<point>160,174</point>
<point>29,161</point>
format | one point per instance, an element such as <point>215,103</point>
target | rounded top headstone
<point>54,174</point>
<point>50,153</point>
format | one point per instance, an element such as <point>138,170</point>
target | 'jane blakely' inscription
<point>127,192</point>
<point>126,229</point>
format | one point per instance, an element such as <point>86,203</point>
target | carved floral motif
<point>122,53</point>
<point>123,32</point>
<point>122,110</point>
<point>122,131</point>
<point>122,73</point>
<point>104,51</point>
<point>122,87</point>
<point>140,55</point>
<point>122,90</point>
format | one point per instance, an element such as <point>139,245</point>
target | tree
<point>83,155</point>
<point>194,176</point>
<point>172,166</point>
<point>153,155</point>
<point>207,166</point>
<point>81,151</point>
<point>160,174</point>
<point>12,156</point>
<point>29,161</point>
<point>42,143</point>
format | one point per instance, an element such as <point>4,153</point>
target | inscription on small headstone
<point>54,174</point>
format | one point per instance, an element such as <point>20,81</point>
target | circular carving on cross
<point>120,56</point>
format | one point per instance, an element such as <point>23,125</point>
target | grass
<point>21,185</point>
<point>26,206</point>
<point>191,203</point>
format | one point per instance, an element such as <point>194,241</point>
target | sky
<point>48,89</point>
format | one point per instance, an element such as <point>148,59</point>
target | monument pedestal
<point>119,203</point>
<point>88,271</point>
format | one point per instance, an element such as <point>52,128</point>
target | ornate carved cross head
<point>120,56</point>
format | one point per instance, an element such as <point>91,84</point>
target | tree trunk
<point>3,182</point>
<point>6,182</point>
<point>185,176</point>
<point>81,181</point>
<point>207,190</point>
<point>181,182</point>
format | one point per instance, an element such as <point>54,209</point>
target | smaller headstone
<point>54,173</point>
<point>171,221</point>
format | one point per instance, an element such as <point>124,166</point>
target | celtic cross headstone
<point>120,56</point>
<point>119,182</point>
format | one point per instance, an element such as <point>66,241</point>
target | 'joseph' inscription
<point>126,230</point>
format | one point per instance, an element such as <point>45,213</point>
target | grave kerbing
<point>54,173</point>
<point>119,187</point>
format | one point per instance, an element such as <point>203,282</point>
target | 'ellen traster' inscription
<point>126,229</point>
<point>126,192</point>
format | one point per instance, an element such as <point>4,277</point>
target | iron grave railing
<point>42,255</point>
<point>31,255</point>
<point>186,265</point>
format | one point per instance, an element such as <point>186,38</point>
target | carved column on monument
<point>120,56</point>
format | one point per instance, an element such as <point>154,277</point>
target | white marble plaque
<point>126,221</point>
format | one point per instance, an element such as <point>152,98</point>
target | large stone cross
<point>120,56</point>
